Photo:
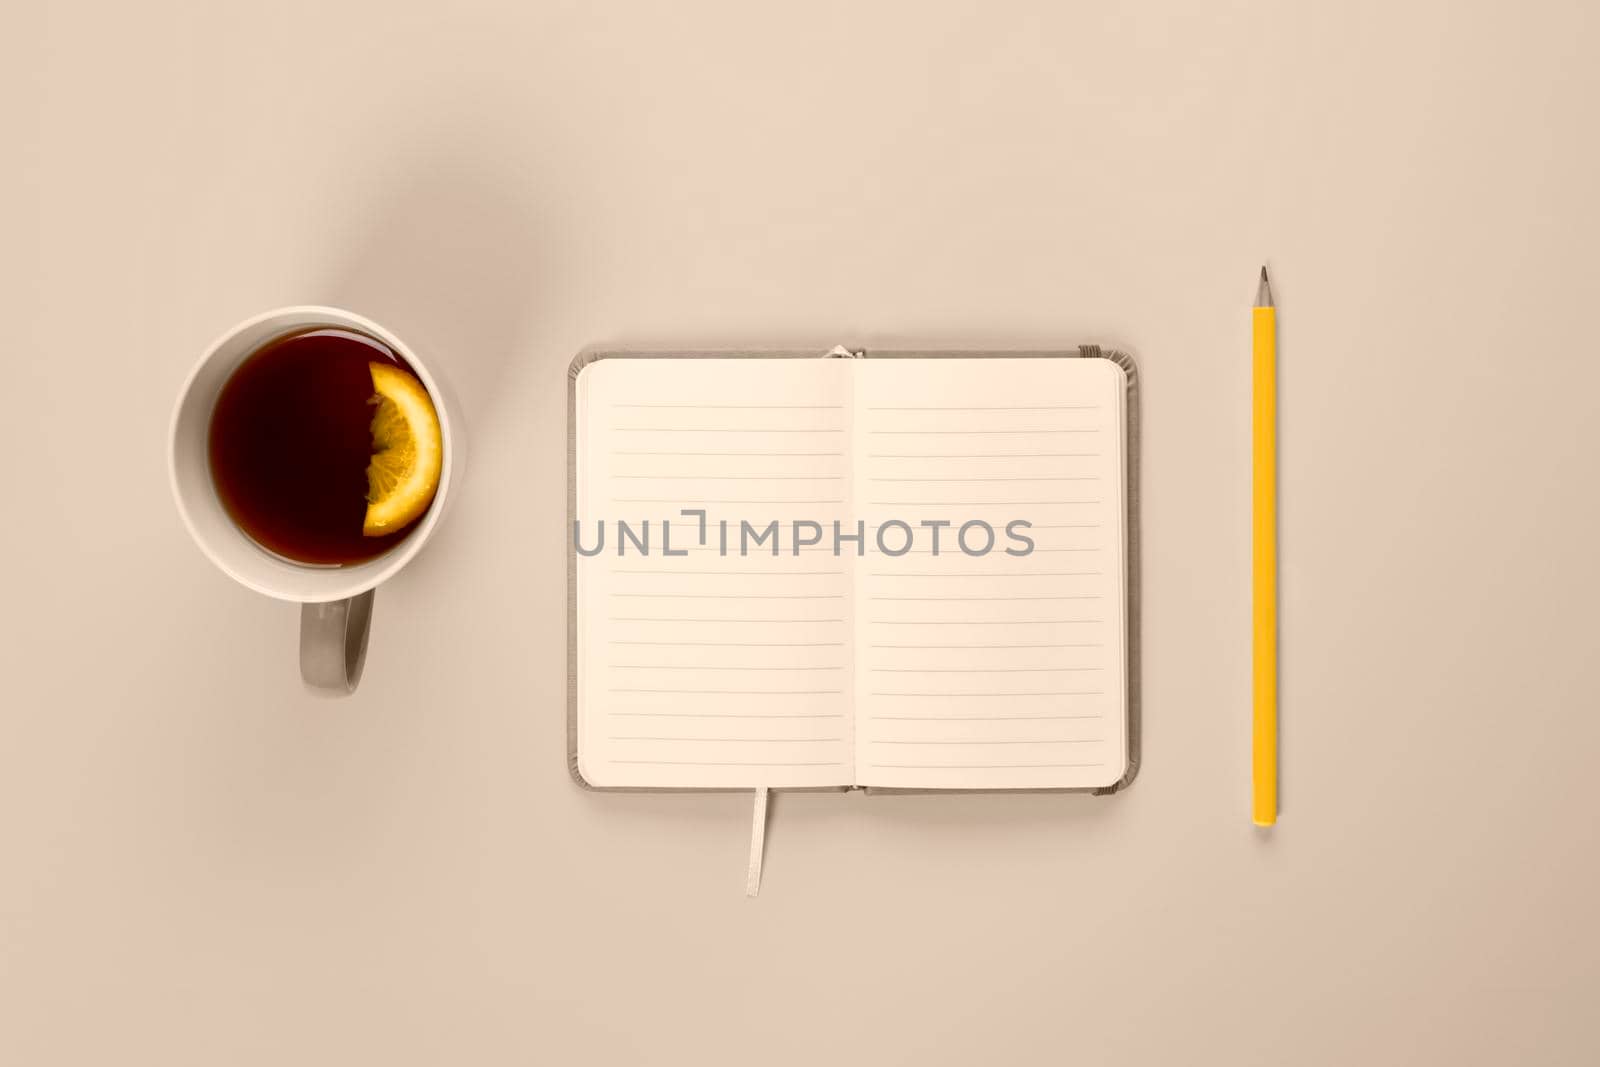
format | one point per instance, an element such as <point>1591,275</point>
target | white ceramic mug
<point>336,612</point>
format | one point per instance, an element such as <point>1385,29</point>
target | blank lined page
<point>991,671</point>
<point>708,670</point>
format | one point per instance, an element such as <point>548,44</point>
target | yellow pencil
<point>1264,437</point>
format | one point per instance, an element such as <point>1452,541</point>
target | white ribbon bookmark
<point>758,840</point>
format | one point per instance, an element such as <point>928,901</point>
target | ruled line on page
<point>728,573</point>
<point>726,763</point>
<point>730,477</point>
<point>996,522</point>
<point>1031,526</point>
<point>745,644</point>
<point>984,718</point>
<point>742,407</point>
<point>783,523</point>
<point>984,455</point>
<point>738,692</point>
<point>719,429</point>
<point>973,574</point>
<point>594,561</point>
<point>951,552</point>
<point>1046,693</point>
<point>997,407</point>
<point>988,599</point>
<point>977,766</point>
<point>1051,478</point>
<point>692,667</point>
<point>727,452</point>
<point>737,740</point>
<point>1003,741</point>
<point>942,503</point>
<point>742,596</point>
<point>1081,644</point>
<point>977,433</point>
<point>759,553</point>
<point>708,500</point>
<point>643,618</point>
<point>725,715</point>
<point>978,670</point>
<point>980,622</point>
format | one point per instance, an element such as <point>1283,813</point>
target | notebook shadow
<point>929,810</point>
<point>980,338</point>
<point>981,811</point>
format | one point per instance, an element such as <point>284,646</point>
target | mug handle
<point>333,643</point>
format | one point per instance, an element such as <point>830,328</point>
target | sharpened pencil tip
<point>1264,290</point>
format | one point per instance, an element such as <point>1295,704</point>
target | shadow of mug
<point>448,260</point>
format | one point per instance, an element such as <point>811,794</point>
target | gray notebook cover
<point>1131,422</point>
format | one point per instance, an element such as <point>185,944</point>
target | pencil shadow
<point>1285,652</point>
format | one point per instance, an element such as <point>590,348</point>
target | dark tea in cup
<point>320,447</point>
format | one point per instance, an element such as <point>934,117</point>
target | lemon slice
<point>407,452</point>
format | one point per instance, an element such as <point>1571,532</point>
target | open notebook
<point>907,572</point>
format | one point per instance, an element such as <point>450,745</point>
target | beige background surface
<point>200,864</point>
